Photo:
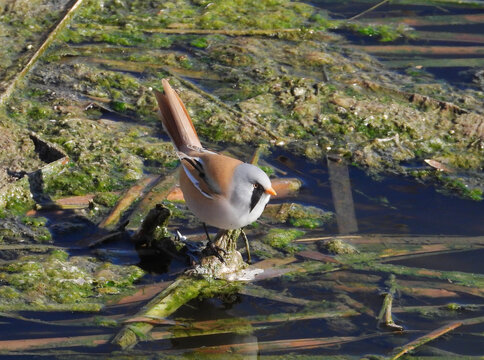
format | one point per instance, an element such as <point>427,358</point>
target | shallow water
<point>390,205</point>
<point>459,75</point>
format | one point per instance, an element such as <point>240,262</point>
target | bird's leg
<point>206,232</point>
<point>213,249</point>
<point>249,259</point>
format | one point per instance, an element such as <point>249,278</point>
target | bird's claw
<point>212,249</point>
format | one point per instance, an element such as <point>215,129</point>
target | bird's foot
<point>212,249</point>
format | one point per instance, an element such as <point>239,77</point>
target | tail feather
<point>175,119</point>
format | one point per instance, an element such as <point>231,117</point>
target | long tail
<point>175,119</point>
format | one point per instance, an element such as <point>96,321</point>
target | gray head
<point>251,190</point>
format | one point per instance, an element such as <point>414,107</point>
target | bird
<point>220,190</point>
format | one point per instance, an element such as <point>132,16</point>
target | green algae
<point>298,215</point>
<point>282,239</point>
<point>107,199</point>
<point>299,109</point>
<point>117,161</point>
<point>44,281</point>
<point>24,230</point>
<point>165,303</point>
<point>23,26</point>
<point>312,116</point>
<point>458,185</point>
<point>199,42</point>
<point>339,247</point>
<point>466,279</point>
<point>17,199</point>
<point>383,32</point>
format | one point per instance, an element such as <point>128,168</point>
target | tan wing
<point>210,173</point>
<point>176,120</point>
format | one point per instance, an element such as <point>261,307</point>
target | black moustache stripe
<point>197,165</point>
<point>256,195</point>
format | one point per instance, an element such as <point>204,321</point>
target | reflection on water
<point>342,197</point>
<point>390,204</point>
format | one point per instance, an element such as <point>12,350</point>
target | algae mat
<point>79,132</point>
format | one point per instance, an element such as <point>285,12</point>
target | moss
<point>269,170</point>
<point>45,237</point>
<point>19,204</point>
<point>339,247</point>
<point>119,106</point>
<point>9,293</point>
<point>282,239</point>
<point>105,322</point>
<point>199,42</point>
<point>34,221</point>
<point>219,288</point>
<point>107,199</point>
<point>59,255</point>
<point>77,181</point>
<point>39,112</point>
<point>47,280</point>
<point>265,14</point>
<point>453,307</point>
<point>298,215</point>
<point>160,41</point>
<point>176,212</point>
<point>22,229</point>
<point>456,185</point>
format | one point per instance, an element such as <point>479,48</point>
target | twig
<point>80,307</point>
<point>144,293</point>
<point>125,202</point>
<point>368,10</point>
<point>435,334</point>
<point>456,277</point>
<point>256,155</point>
<point>431,308</point>
<point>286,345</point>
<point>313,239</point>
<point>426,338</point>
<point>159,192</point>
<point>13,315</point>
<point>168,301</point>
<point>260,292</point>
<point>55,342</point>
<point>412,253</point>
<point>228,32</point>
<point>385,315</point>
<point>29,247</point>
<point>60,25</point>
<point>316,255</point>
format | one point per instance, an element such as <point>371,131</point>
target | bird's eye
<point>256,186</point>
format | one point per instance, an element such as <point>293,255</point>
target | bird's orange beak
<point>271,191</point>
